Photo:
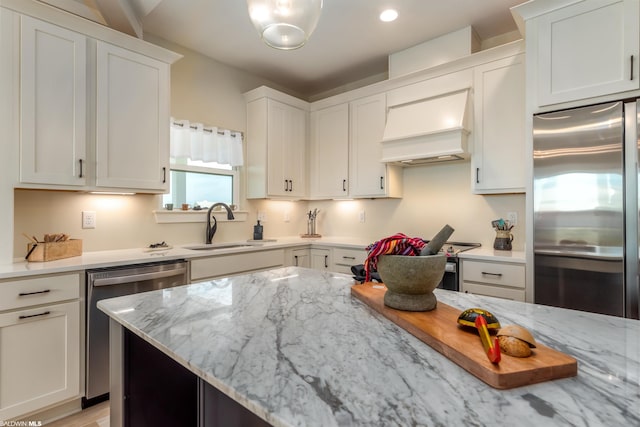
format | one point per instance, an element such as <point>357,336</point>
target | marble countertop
<point>487,253</point>
<point>294,347</point>
<point>113,258</point>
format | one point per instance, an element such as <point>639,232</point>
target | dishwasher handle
<point>130,278</point>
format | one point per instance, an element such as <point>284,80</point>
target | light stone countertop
<point>295,348</point>
<point>487,253</point>
<point>112,258</point>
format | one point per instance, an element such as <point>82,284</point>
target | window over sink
<point>202,184</point>
<point>204,165</point>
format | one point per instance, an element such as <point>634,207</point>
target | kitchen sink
<point>218,246</point>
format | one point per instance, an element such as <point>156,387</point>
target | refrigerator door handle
<point>632,219</point>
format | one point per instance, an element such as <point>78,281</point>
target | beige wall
<point>208,91</point>
<point>433,196</point>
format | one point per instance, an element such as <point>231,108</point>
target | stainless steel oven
<point>451,279</point>
<point>112,282</point>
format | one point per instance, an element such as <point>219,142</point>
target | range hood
<point>427,131</point>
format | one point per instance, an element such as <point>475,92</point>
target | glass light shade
<point>285,24</point>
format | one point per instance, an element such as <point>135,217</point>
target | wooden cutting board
<point>439,329</point>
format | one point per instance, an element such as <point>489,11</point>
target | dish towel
<point>398,244</point>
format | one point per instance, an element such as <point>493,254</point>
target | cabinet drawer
<point>348,257</point>
<point>494,273</point>
<point>226,265</point>
<point>38,290</point>
<point>40,355</point>
<point>493,291</point>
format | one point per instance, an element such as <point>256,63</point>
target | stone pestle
<point>435,244</point>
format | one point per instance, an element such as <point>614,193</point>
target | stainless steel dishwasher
<point>113,282</point>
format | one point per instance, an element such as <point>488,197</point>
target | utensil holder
<point>311,227</point>
<point>503,240</point>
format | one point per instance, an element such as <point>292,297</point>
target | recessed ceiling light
<point>388,15</point>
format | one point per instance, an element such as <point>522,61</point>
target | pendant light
<point>285,24</point>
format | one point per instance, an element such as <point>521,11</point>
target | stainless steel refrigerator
<point>585,195</point>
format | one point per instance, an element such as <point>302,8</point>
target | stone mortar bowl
<point>410,280</point>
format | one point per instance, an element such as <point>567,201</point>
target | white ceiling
<point>349,44</point>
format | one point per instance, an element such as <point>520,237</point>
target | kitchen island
<point>293,347</point>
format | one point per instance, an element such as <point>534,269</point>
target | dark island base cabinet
<point>158,391</point>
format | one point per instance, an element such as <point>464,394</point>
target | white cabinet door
<point>344,258</point>
<point>300,258</point>
<point>368,176</point>
<point>495,279</point>
<point>493,291</point>
<point>132,131</point>
<point>329,153</point>
<point>39,358</point>
<point>499,127</point>
<point>286,139</point>
<point>320,259</point>
<point>232,264</point>
<point>588,49</point>
<point>53,97</point>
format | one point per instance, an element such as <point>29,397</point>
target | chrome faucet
<point>211,229</point>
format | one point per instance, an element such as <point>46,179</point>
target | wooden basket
<point>54,250</point>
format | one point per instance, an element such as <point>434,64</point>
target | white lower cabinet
<point>39,344</point>
<point>335,259</point>
<point>344,258</point>
<point>495,279</point>
<point>321,259</point>
<point>232,264</point>
<point>299,257</point>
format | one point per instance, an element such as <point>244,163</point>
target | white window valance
<point>205,143</point>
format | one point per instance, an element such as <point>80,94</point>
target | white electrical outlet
<point>287,217</point>
<point>262,216</point>
<point>512,217</point>
<point>361,216</point>
<point>88,219</point>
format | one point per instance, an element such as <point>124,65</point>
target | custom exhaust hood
<point>427,131</point>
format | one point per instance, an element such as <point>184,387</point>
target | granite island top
<point>294,347</point>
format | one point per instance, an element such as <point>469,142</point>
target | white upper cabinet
<point>132,111</point>
<point>586,50</point>
<point>329,152</point>
<point>276,145</point>
<point>53,96</point>
<point>368,176</point>
<point>498,161</point>
<point>93,104</point>
<point>346,149</point>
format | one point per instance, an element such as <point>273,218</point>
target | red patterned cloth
<point>398,244</point>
